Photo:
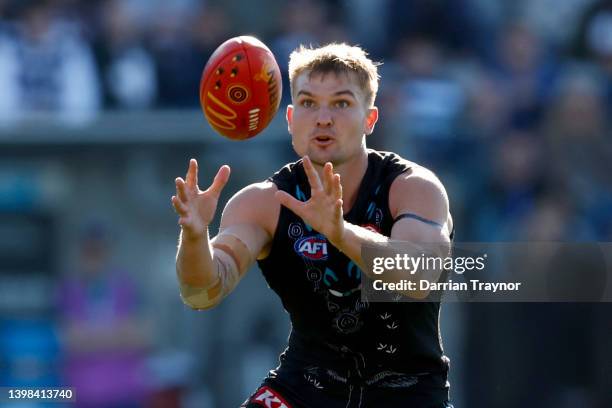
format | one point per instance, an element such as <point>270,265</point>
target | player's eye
<point>342,104</point>
<point>307,103</point>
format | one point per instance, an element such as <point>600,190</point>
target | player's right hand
<point>196,208</point>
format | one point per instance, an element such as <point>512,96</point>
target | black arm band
<point>418,218</point>
<point>426,221</point>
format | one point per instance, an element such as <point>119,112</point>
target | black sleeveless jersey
<point>320,287</point>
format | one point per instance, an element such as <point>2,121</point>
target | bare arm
<point>419,193</point>
<point>208,270</point>
<point>194,261</point>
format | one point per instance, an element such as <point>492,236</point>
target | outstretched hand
<point>323,211</point>
<point>196,208</point>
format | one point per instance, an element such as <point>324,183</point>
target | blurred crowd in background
<point>509,102</point>
<point>522,87</point>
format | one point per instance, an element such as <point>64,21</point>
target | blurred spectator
<point>253,17</point>
<point>302,22</point>
<point>579,147</point>
<point>526,72</point>
<point>577,112</point>
<point>516,182</point>
<point>454,24</point>
<point>10,108</point>
<point>104,337</point>
<point>431,98</point>
<point>359,16</point>
<point>487,107</point>
<point>428,100</point>
<point>553,20</point>
<point>181,51</point>
<point>128,68</point>
<point>48,66</point>
<point>593,41</point>
<point>551,219</point>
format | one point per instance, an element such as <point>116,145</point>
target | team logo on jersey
<point>295,230</point>
<point>313,248</point>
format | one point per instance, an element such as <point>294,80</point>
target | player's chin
<point>321,156</point>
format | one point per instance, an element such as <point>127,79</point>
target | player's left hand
<point>323,211</point>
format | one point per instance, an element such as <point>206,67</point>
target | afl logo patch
<point>313,248</point>
<point>237,93</point>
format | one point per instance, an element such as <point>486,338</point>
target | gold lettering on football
<point>274,100</point>
<point>265,73</point>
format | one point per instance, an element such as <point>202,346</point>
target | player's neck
<point>351,174</point>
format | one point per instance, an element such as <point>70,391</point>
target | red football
<point>241,87</point>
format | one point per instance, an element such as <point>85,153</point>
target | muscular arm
<point>208,275</point>
<point>209,269</point>
<point>421,194</point>
<point>198,272</point>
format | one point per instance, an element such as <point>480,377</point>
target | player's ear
<point>289,116</point>
<point>371,119</point>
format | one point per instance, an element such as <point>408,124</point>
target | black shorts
<point>310,393</point>
<point>317,375</point>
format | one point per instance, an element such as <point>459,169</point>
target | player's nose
<point>324,117</point>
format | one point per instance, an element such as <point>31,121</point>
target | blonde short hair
<point>339,59</point>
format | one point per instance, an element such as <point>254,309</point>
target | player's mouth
<point>323,140</point>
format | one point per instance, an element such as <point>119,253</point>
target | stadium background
<point>507,101</point>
